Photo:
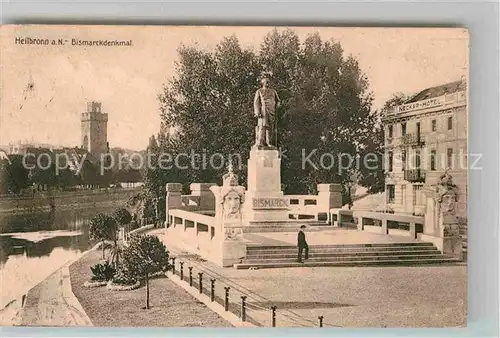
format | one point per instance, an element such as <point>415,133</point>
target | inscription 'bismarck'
<point>270,203</point>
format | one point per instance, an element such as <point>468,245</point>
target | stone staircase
<point>284,226</point>
<point>416,253</point>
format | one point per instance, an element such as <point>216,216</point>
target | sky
<point>127,80</point>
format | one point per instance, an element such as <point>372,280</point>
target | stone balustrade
<point>385,223</point>
<point>195,231</point>
<point>315,207</point>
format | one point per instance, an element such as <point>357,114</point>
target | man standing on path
<point>302,244</point>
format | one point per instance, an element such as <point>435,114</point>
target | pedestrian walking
<point>302,244</point>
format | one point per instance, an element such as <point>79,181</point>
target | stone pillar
<point>329,196</point>
<point>264,197</point>
<point>385,228</point>
<point>413,230</point>
<point>335,216</point>
<point>361,223</point>
<point>228,239</point>
<point>172,199</point>
<point>207,198</point>
<point>441,224</point>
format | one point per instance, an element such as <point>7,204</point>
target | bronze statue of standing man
<point>265,102</point>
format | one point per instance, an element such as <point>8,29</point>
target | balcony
<point>415,175</point>
<point>413,140</point>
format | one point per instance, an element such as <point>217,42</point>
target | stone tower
<point>95,129</point>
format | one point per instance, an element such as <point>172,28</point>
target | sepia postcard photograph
<point>233,176</point>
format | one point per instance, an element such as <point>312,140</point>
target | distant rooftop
<point>429,93</point>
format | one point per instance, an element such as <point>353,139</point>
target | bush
<point>123,277</point>
<point>122,216</point>
<point>133,225</point>
<point>102,272</point>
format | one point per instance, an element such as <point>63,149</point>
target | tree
<point>103,227</point>
<point>325,107</point>
<point>396,100</point>
<point>144,256</point>
<point>13,175</point>
<point>122,216</point>
<point>153,178</point>
<point>373,175</point>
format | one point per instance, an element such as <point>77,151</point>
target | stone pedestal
<point>264,199</point>
<point>233,252</point>
<point>329,197</point>
<point>173,199</point>
<point>440,223</point>
<point>448,240</point>
<point>228,239</point>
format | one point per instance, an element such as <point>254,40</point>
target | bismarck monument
<point>264,198</point>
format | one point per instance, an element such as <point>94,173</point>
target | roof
<point>437,91</point>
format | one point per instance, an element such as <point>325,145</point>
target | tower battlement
<point>94,112</point>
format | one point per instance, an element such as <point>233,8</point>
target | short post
<point>226,298</point>
<point>212,290</point>
<point>182,270</point>
<point>200,281</point>
<point>243,309</point>
<point>190,276</point>
<point>320,321</point>
<point>173,265</point>
<point>273,308</point>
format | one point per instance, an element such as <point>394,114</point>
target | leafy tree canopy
<point>325,110</point>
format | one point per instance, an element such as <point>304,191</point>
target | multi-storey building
<point>424,137</point>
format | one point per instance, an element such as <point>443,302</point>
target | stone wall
<point>66,199</point>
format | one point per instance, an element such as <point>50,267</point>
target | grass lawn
<point>170,306</point>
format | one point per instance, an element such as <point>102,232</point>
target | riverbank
<point>52,303</point>
<point>49,300</point>
<point>65,200</point>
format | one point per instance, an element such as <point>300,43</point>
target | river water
<point>35,244</point>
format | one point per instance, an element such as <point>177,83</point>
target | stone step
<point>279,255</point>
<point>348,258</point>
<point>288,250</point>
<point>252,247</point>
<point>288,223</point>
<point>259,229</point>
<point>390,262</point>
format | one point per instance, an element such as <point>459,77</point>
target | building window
<point>417,159</point>
<point>391,193</point>
<point>403,129</point>
<point>433,160</point>
<point>390,131</point>
<point>434,125</point>
<point>403,160</point>
<point>449,158</point>
<point>450,123</point>
<point>417,195</point>
<point>389,167</point>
